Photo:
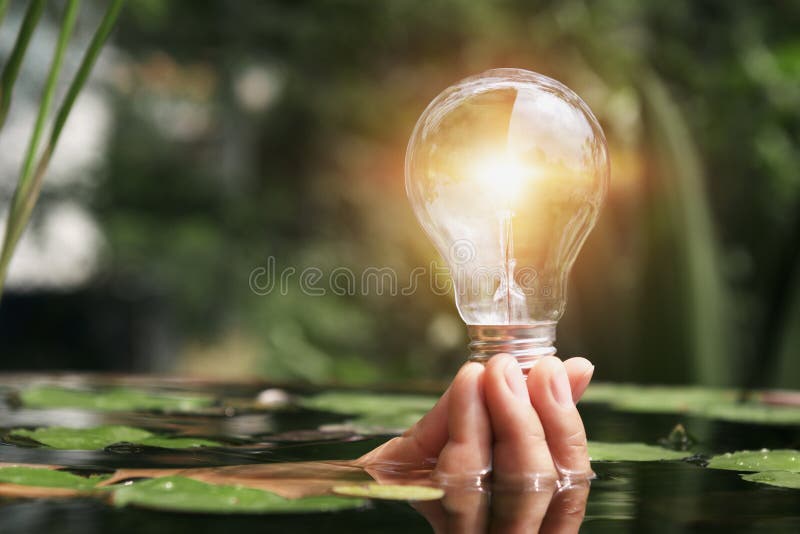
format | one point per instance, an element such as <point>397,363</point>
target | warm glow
<point>501,176</point>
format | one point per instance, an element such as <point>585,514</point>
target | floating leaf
<point>82,438</point>
<point>655,399</point>
<point>178,443</point>
<point>101,437</point>
<point>46,478</point>
<point>763,460</point>
<point>376,424</point>
<point>719,404</point>
<point>378,414</point>
<point>751,412</point>
<point>391,492</point>
<point>112,400</point>
<point>781,479</point>
<point>187,495</point>
<point>368,403</point>
<point>632,452</point>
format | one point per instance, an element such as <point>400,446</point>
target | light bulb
<point>506,172</point>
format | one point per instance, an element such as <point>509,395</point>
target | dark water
<point>626,496</point>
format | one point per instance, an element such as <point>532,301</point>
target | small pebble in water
<point>273,397</point>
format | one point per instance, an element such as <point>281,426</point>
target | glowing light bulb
<point>506,172</point>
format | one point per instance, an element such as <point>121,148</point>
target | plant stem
<point>11,69</point>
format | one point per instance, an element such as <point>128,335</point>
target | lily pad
<point>112,400</point>
<point>753,412</point>
<point>378,414</point>
<point>375,425</point>
<point>655,399</point>
<point>101,437</point>
<point>632,452</point>
<point>781,479</point>
<point>763,460</point>
<point>178,443</point>
<point>391,492</point>
<point>47,478</point>
<point>187,495</point>
<point>709,403</point>
<point>368,403</point>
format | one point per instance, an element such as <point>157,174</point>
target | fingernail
<point>559,385</point>
<point>515,380</point>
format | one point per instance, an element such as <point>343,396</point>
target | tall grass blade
<point>22,207</point>
<point>67,24</point>
<point>3,10</point>
<point>11,68</point>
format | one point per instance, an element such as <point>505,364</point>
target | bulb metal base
<point>527,343</point>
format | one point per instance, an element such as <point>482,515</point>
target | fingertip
<point>579,371</point>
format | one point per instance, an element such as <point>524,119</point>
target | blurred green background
<point>215,135</point>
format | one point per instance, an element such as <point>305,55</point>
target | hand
<point>528,432</point>
<point>492,418</point>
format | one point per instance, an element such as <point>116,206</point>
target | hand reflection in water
<point>528,433</point>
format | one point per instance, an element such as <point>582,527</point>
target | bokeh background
<point>215,135</point>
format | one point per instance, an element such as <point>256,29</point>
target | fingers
<point>579,371</point>
<point>551,395</point>
<point>419,445</point>
<point>520,447</point>
<point>467,452</point>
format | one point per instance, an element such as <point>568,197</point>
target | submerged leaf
<point>46,478</point>
<point>632,452</point>
<point>187,495</point>
<point>763,460</point>
<point>118,399</point>
<point>781,479</point>
<point>391,492</point>
<point>101,437</point>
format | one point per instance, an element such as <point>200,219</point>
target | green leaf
<point>710,403</point>
<point>187,495</point>
<point>46,478</point>
<point>101,437</point>
<point>376,425</point>
<point>781,479</point>
<point>655,399</point>
<point>632,452</point>
<point>750,412</point>
<point>178,443</point>
<point>391,492</point>
<point>83,438</point>
<point>14,61</point>
<point>763,460</point>
<point>112,400</point>
<point>368,403</point>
